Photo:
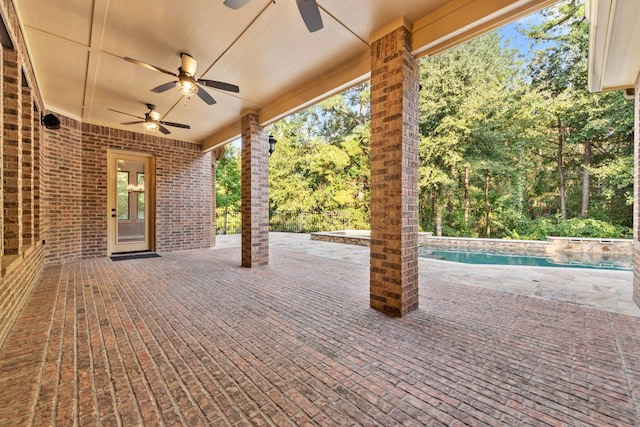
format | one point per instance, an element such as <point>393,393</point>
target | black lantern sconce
<point>272,144</point>
<point>50,121</point>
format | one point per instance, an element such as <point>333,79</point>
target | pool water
<point>513,259</point>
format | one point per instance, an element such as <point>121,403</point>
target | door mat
<point>133,255</point>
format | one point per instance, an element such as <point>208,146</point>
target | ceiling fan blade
<point>310,14</point>
<point>219,85</point>
<point>164,87</point>
<point>149,66</point>
<point>235,4</point>
<point>175,125</point>
<point>126,114</point>
<point>204,95</point>
<point>163,129</point>
<point>132,123</point>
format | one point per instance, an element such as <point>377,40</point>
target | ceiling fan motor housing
<point>153,115</point>
<point>189,64</point>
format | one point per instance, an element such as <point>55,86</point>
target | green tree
<point>469,146</point>
<point>591,129</point>
<point>322,160</point>
<point>228,186</point>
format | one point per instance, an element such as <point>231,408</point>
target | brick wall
<point>15,286</point>
<point>183,196</point>
<point>183,189</point>
<point>23,259</point>
<point>54,183</point>
<point>62,190</point>
<point>394,175</point>
<point>72,164</point>
<point>21,253</point>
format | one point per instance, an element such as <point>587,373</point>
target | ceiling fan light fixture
<point>151,121</point>
<point>150,126</point>
<point>187,87</point>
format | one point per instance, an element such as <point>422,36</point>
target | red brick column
<point>255,192</point>
<point>36,176</point>
<point>27,167</point>
<point>214,200</point>
<point>636,198</point>
<point>394,175</point>
<point>11,152</point>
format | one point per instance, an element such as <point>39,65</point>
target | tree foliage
<point>228,191</point>
<point>510,144</point>
<point>596,128</point>
<point>506,147</point>
<point>322,159</point>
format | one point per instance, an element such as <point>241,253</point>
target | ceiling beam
<point>95,43</point>
<point>462,20</point>
<point>335,81</point>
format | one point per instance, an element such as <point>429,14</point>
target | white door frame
<point>149,190</point>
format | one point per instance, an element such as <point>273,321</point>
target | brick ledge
<point>10,262</point>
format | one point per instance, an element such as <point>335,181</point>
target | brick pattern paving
<point>194,339</point>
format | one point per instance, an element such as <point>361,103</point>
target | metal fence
<point>309,222</point>
<point>230,221</point>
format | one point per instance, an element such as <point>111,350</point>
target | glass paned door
<point>128,200</point>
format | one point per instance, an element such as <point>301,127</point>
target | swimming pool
<point>469,257</point>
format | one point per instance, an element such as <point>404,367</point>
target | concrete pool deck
<point>607,290</point>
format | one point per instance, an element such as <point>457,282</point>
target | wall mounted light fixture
<point>272,144</point>
<point>50,121</point>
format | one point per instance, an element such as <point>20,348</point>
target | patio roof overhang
<point>77,50</point>
<point>614,38</point>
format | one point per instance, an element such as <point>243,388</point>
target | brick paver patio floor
<point>194,339</point>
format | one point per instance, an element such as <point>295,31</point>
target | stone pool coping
<point>551,245</point>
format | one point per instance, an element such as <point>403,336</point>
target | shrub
<point>540,228</point>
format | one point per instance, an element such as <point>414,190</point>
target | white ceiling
<point>77,49</point>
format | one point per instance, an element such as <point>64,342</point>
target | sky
<point>516,39</point>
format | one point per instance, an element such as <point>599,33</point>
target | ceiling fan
<point>187,83</point>
<point>151,121</point>
<point>308,9</point>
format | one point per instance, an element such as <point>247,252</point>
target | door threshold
<point>124,256</point>
<point>132,252</point>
